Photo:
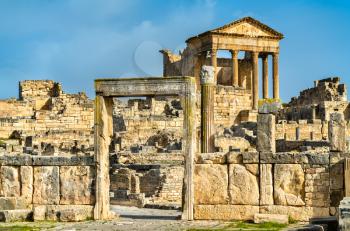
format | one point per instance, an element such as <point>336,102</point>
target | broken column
<point>207,109</point>
<point>337,132</point>
<point>266,141</point>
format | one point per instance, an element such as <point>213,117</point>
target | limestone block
<point>296,213</point>
<point>211,158</point>
<point>244,186</point>
<point>46,185</point>
<point>76,214</point>
<point>235,158</point>
<point>69,212</point>
<point>77,184</point>
<point>266,133</point>
<point>289,184</point>
<point>210,184</point>
<point>8,203</point>
<point>10,181</point>
<point>225,212</point>
<point>16,215</point>
<point>337,132</point>
<point>27,183</point>
<point>39,213</point>
<point>276,218</point>
<point>266,184</point>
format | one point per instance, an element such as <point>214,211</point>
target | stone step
<point>16,215</point>
<point>276,218</point>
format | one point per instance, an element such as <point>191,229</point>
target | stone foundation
<point>243,184</point>
<point>51,188</point>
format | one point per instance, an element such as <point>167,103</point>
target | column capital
<point>207,75</point>
<point>234,53</point>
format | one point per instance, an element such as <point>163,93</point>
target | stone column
<point>313,112</point>
<point>207,109</point>
<point>103,134</point>
<point>265,76</point>
<point>255,56</point>
<point>214,63</point>
<point>189,136</point>
<point>266,135</point>
<point>297,133</point>
<point>276,89</point>
<point>234,57</point>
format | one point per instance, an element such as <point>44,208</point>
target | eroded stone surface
<point>10,182</point>
<point>46,185</point>
<point>225,212</point>
<point>276,218</point>
<point>289,184</point>
<point>296,213</point>
<point>244,186</point>
<point>76,184</point>
<point>210,183</point>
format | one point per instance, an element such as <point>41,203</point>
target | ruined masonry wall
<point>231,105</point>
<point>287,129</point>
<point>54,188</point>
<point>238,185</point>
<point>49,116</point>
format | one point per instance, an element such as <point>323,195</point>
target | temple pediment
<point>245,28</point>
<point>248,27</point>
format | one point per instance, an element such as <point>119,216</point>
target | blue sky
<point>76,41</point>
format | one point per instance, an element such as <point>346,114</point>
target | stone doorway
<point>106,90</point>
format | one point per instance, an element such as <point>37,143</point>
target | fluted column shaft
<point>265,77</point>
<point>207,110</point>
<point>234,57</point>
<point>255,56</point>
<point>276,90</point>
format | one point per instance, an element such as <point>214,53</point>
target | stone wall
<point>46,188</point>
<point>235,186</point>
<point>147,179</point>
<point>46,116</point>
<point>231,105</point>
<point>316,130</point>
<point>151,124</point>
<point>326,97</point>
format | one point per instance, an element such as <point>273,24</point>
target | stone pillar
<point>313,112</point>
<point>266,184</point>
<point>265,76</point>
<point>276,87</point>
<point>234,56</point>
<point>297,133</point>
<point>214,63</point>
<point>103,134</point>
<point>266,138</point>
<point>189,137</point>
<point>337,132</point>
<point>255,56</point>
<point>207,109</point>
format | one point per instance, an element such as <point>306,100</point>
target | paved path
<point>132,218</point>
